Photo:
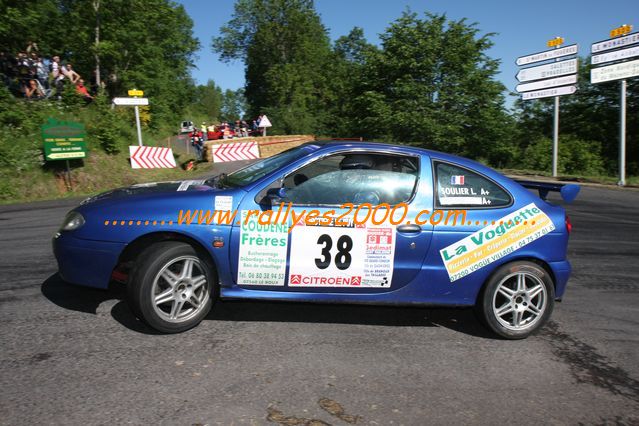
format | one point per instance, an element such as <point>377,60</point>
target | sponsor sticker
<point>223,203</point>
<point>262,254</point>
<point>356,256</point>
<point>493,242</point>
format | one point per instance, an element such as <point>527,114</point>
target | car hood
<point>152,188</point>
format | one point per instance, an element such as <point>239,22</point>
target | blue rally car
<point>328,222</point>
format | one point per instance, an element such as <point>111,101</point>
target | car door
<point>340,225</point>
<point>483,202</point>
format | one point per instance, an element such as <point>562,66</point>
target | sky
<point>520,27</point>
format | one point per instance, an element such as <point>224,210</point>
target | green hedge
<point>576,156</point>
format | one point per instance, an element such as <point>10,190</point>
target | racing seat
<point>357,161</point>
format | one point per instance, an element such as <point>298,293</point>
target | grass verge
<point>98,172</point>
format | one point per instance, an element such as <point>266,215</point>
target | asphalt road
<point>73,355</point>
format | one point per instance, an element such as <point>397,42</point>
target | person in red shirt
<point>197,142</point>
<point>81,89</point>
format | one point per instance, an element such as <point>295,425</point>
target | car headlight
<point>72,221</point>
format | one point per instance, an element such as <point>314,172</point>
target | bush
<point>105,129</point>
<point>576,156</point>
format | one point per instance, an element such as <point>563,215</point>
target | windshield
<point>255,171</point>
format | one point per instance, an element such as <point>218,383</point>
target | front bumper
<point>86,262</point>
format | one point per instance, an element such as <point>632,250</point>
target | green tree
<point>351,54</point>
<point>146,44</point>
<point>286,50</point>
<point>31,20</point>
<point>233,105</point>
<point>433,83</point>
<point>207,101</point>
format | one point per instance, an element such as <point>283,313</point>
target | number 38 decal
<point>342,258</point>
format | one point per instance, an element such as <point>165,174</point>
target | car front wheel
<point>172,287</point>
<point>517,300</point>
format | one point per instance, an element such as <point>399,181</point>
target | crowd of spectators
<point>32,76</point>
<point>223,130</point>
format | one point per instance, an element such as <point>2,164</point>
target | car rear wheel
<point>517,300</point>
<point>172,287</point>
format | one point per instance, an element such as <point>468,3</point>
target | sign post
<point>618,42</point>
<point>64,140</point>
<point>552,79</point>
<point>555,127</point>
<point>135,93</point>
<point>263,124</point>
<point>622,135</point>
<point>135,100</point>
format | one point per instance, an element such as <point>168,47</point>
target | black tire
<point>142,287</point>
<point>493,299</point>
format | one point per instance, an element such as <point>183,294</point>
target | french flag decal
<point>457,180</point>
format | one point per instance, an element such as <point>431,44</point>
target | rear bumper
<point>561,271</point>
<point>86,262</point>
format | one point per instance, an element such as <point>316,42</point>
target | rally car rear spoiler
<point>568,191</point>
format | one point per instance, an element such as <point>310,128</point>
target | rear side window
<point>459,187</point>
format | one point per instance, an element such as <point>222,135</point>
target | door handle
<point>409,228</point>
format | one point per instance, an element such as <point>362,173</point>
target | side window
<point>354,178</point>
<point>459,187</point>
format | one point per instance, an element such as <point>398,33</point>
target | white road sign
<point>547,93</point>
<point>615,43</point>
<point>264,122</point>
<point>555,69</point>
<point>617,55</point>
<point>615,72</point>
<point>131,101</point>
<point>547,84</point>
<point>548,54</point>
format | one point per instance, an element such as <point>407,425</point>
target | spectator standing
<point>25,72</point>
<point>196,141</point>
<point>55,68</point>
<point>204,132</point>
<point>226,131</point>
<point>244,126</point>
<point>73,76</point>
<point>41,73</point>
<point>32,47</point>
<point>59,81</point>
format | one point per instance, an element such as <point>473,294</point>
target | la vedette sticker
<point>493,242</point>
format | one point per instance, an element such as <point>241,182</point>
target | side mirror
<point>273,193</point>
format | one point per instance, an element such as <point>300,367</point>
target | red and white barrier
<point>235,152</point>
<point>151,157</point>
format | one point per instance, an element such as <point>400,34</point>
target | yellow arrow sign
<point>557,41</point>
<point>136,92</point>
<point>619,31</point>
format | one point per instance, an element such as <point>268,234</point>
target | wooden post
<point>68,177</point>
